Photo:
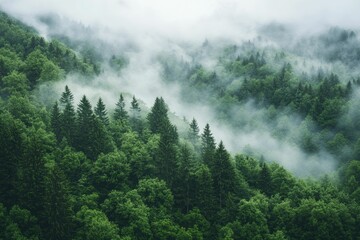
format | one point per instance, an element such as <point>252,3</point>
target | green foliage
<point>67,174</point>
<point>94,225</point>
<point>138,157</point>
<point>223,174</point>
<point>157,196</point>
<point>208,146</point>
<point>11,142</point>
<point>91,136</point>
<point>101,112</point>
<point>130,213</point>
<point>58,212</point>
<point>34,64</point>
<point>18,223</point>
<point>110,171</point>
<point>120,112</point>
<point>14,84</point>
<point>118,63</point>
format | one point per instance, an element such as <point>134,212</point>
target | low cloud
<point>142,30</point>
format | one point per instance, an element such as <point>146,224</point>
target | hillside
<point>72,168</point>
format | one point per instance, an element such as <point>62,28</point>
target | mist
<point>142,31</point>
<point>188,20</point>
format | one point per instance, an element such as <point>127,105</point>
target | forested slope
<point>77,171</point>
<point>297,99</point>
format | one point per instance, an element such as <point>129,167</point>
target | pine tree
<point>120,113</point>
<point>56,121</point>
<point>207,146</point>
<point>135,120</point>
<point>91,138</point>
<point>194,135</point>
<point>32,169</point>
<point>158,116</point>
<point>66,97</point>
<point>101,113</point>
<point>204,194</point>
<point>166,158</point>
<point>58,213</point>
<point>85,123</point>
<point>159,123</point>
<point>224,175</point>
<point>68,117</point>
<point>264,179</point>
<point>348,90</point>
<point>135,106</point>
<point>11,142</point>
<point>183,189</point>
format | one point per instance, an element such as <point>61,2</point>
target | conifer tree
<point>68,116</point>
<point>92,138</point>
<point>135,106</point>
<point>32,169</point>
<point>183,189</point>
<point>101,113</point>
<point>135,115</point>
<point>58,213</point>
<point>194,135</point>
<point>11,142</point>
<point>204,194</point>
<point>56,121</point>
<point>66,97</point>
<point>120,112</point>
<point>207,146</point>
<point>85,127</point>
<point>166,157</point>
<point>264,179</point>
<point>158,116</point>
<point>223,174</point>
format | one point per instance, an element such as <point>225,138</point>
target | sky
<point>192,19</point>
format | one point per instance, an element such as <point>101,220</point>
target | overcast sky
<point>193,19</point>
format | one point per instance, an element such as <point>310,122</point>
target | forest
<point>74,168</point>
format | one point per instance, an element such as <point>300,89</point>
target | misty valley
<point>116,129</point>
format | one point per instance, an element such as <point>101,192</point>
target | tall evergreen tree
<point>264,179</point>
<point>194,134</point>
<point>159,123</point>
<point>68,116</point>
<point>32,169</point>
<point>135,120</point>
<point>101,113</point>
<point>58,212</point>
<point>223,173</point>
<point>183,189</point>
<point>66,97</point>
<point>167,153</point>
<point>135,108</point>
<point>208,146</point>
<point>56,121</point>
<point>204,194</point>
<point>85,127</point>
<point>158,116</point>
<point>91,138</point>
<point>120,112</point>
<point>11,142</point>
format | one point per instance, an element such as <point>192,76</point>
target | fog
<point>191,20</point>
<point>144,30</point>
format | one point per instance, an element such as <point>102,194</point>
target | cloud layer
<point>192,20</point>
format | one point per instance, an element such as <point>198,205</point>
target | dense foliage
<point>75,171</point>
<point>310,107</point>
